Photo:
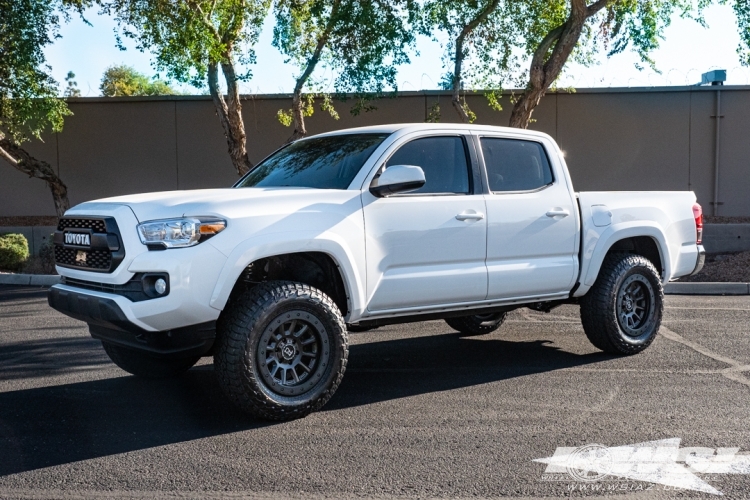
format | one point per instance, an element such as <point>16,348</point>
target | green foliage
<point>360,41</point>
<point>71,86</point>
<point>622,25</point>
<point>28,94</point>
<point>493,99</point>
<point>487,49</point>
<point>14,250</point>
<point>126,81</point>
<point>185,35</point>
<point>286,117</point>
<point>742,11</point>
<point>434,115</point>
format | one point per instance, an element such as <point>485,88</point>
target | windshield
<point>322,163</point>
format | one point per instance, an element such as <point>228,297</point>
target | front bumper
<point>700,260</point>
<point>108,322</point>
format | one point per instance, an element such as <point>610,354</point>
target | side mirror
<point>397,179</point>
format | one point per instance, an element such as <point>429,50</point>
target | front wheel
<point>142,365</point>
<point>622,312</point>
<point>282,350</point>
<point>477,324</point>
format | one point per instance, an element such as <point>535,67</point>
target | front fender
<point>268,245</point>
<point>596,245</point>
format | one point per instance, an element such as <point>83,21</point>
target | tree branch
<point>459,57</point>
<point>206,20</point>
<point>297,114</point>
<point>596,7</point>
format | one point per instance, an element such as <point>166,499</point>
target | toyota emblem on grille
<point>80,239</point>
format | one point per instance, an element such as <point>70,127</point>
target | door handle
<point>558,213</point>
<point>470,216</point>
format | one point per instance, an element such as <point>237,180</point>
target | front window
<point>443,160</point>
<point>323,163</point>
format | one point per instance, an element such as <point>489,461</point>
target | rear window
<point>515,165</point>
<point>323,163</point>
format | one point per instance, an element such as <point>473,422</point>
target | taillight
<point>698,214</point>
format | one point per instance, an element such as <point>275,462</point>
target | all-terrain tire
<point>477,324</point>
<point>622,312</point>
<point>143,365</point>
<point>265,337</point>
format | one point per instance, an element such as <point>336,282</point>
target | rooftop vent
<point>715,77</point>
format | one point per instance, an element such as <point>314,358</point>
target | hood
<point>227,202</point>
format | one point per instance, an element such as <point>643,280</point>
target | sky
<point>687,51</point>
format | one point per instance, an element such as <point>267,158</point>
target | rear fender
<point>597,245</point>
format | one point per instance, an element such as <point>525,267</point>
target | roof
<point>418,127</point>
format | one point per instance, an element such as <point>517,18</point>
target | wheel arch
<point>315,259</point>
<point>649,241</point>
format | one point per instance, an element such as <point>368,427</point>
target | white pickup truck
<point>359,228</point>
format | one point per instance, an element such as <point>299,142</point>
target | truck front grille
<point>95,259</point>
<point>98,246</point>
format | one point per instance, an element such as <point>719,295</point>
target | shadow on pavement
<point>49,357</point>
<point>56,425</point>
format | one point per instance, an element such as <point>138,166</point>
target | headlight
<point>178,233</point>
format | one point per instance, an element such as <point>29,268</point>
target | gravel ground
<point>724,268</point>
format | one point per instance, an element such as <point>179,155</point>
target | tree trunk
<point>298,114</point>
<point>298,117</point>
<point>456,98</point>
<point>23,161</point>
<point>459,59</point>
<point>545,70</point>
<point>229,111</point>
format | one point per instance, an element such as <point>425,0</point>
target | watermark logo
<point>661,462</point>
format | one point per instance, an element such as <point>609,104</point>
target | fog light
<point>160,286</point>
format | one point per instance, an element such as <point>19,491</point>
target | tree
<point>480,37</point>
<point>561,27</point>
<point>742,11</point>
<point>191,40</point>
<point>29,103</point>
<point>126,81</point>
<point>71,86</point>
<point>360,41</point>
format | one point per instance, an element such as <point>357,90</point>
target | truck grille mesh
<point>96,225</point>
<point>95,259</point>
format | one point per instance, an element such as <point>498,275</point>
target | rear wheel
<point>622,312</point>
<point>282,350</point>
<point>143,365</point>
<point>477,324</point>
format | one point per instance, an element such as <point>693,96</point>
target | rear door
<point>428,247</point>
<point>532,220</point>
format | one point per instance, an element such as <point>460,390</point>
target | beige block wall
<point>614,139</point>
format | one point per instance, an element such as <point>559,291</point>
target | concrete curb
<point>707,288</point>
<point>29,279</point>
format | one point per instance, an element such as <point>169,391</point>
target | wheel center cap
<point>288,352</point>
<point>628,303</point>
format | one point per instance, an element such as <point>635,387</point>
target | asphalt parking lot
<point>421,412</point>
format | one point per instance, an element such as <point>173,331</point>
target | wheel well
<point>644,246</point>
<point>316,269</point>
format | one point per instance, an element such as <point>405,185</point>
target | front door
<point>427,247</point>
